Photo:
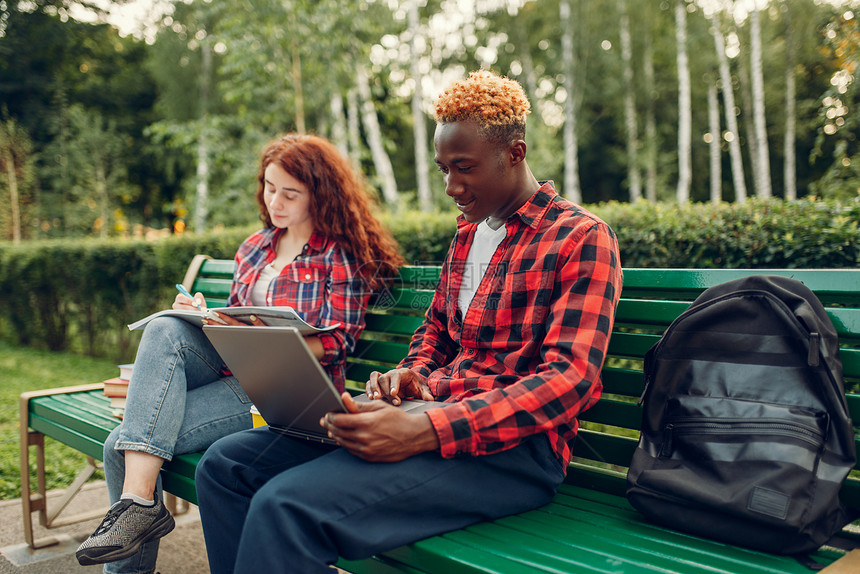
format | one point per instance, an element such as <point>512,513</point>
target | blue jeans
<point>270,503</point>
<point>178,402</point>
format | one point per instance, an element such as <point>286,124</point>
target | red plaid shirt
<point>526,357</point>
<point>322,284</point>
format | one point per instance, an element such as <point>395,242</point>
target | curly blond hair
<point>499,105</point>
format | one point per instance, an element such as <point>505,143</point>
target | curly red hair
<point>340,206</point>
<point>499,105</point>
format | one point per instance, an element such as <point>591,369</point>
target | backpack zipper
<point>732,426</point>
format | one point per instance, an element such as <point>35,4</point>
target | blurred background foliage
<point>79,294</point>
<point>118,129</point>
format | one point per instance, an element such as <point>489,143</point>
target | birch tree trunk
<point>763,154</point>
<point>790,167</point>
<point>298,91</point>
<point>338,124</point>
<point>651,143</point>
<point>381,161</point>
<point>685,113</point>
<point>201,210</point>
<point>633,178</point>
<point>201,202</point>
<point>571,188</point>
<point>731,117</point>
<point>422,173</point>
<point>353,130</point>
<point>749,128</point>
<point>714,144</point>
<point>11,176</point>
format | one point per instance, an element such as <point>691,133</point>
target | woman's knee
<point>161,327</point>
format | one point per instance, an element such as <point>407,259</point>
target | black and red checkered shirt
<point>322,284</point>
<point>526,357</point>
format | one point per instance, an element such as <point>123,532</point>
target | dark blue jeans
<point>270,503</point>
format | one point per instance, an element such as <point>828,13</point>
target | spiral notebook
<point>281,376</point>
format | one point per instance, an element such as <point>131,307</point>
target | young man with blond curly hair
<point>511,350</point>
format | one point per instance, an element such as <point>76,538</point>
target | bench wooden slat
<point>380,351</point>
<point>605,448</point>
<point>633,345</point>
<point>359,373</point>
<point>444,554</point>
<point>850,362</point>
<point>392,324</point>
<point>218,267</point>
<point>524,549</point>
<point>177,476</point>
<point>377,565</point>
<point>409,299</point>
<point>846,322</point>
<point>212,288</point>
<point>425,276</point>
<point>830,285</point>
<point>614,509</point>
<point>661,313</point>
<point>641,312</point>
<point>80,419</point>
<point>614,413</point>
<point>620,531</point>
<point>622,381</point>
<point>854,408</point>
<point>89,444</point>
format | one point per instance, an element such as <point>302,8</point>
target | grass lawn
<point>23,369</point>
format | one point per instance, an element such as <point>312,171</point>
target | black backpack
<point>746,436</point>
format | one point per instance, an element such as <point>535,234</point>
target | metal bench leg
<point>175,504</point>
<point>38,501</point>
<point>33,501</point>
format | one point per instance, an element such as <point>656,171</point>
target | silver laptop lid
<point>279,374</point>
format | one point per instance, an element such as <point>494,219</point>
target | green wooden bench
<point>589,526</point>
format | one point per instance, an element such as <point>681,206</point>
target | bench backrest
<point>651,299</point>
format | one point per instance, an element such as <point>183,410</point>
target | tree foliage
<point>145,110</point>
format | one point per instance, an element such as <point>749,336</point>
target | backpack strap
<point>807,561</point>
<point>837,541</point>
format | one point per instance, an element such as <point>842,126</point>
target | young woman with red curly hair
<point>321,252</point>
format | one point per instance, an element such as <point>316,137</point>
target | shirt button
<point>308,276</point>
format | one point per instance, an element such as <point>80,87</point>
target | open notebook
<point>283,379</point>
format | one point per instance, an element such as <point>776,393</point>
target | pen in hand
<point>185,292</point>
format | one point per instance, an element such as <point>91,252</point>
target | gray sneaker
<point>125,527</point>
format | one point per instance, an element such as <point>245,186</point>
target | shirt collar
<point>317,243</point>
<point>533,210</point>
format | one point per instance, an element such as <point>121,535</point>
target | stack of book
<point>117,389</point>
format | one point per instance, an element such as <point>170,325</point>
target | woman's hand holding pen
<point>187,301</point>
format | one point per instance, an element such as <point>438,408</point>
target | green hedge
<point>757,235</point>
<point>80,294</point>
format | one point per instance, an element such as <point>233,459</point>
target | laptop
<point>279,373</point>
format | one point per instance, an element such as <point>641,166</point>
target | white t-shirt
<point>260,290</point>
<point>488,237</point>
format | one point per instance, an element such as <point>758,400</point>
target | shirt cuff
<point>444,419</point>
<point>331,348</point>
